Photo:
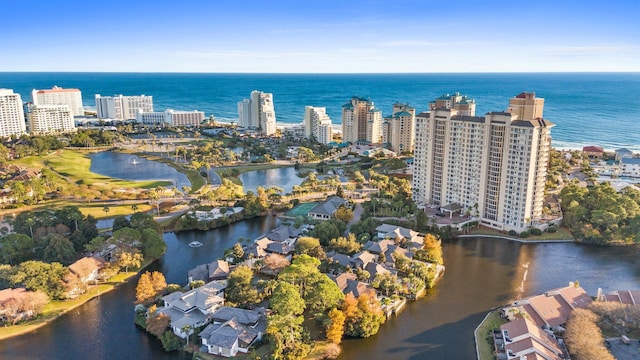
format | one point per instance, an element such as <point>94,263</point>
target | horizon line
<point>319,73</point>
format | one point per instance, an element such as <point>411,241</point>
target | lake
<point>131,167</point>
<point>285,178</point>
<point>481,274</point>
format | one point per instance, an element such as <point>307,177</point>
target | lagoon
<point>132,167</point>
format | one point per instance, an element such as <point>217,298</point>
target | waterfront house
<point>551,309</point>
<point>10,301</point>
<point>523,339</point>
<point>626,297</point>
<point>326,210</point>
<point>623,153</point>
<point>393,232</point>
<point>284,234</point>
<point>593,151</point>
<point>190,310</point>
<point>233,330</point>
<point>216,270</point>
<point>87,269</point>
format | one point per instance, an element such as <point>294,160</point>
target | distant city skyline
<point>320,36</point>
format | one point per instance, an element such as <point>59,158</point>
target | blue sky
<point>320,36</point>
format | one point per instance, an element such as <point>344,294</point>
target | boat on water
<point>134,162</point>
<point>195,244</point>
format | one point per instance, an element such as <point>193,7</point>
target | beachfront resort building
<point>461,103</point>
<point>361,122</point>
<point>258,112</point>
<point>171,117</point>
<point>492,167</point>
<point>59,96</point>
<point>50,119</point>
<point>398,129</point>
<point>318,124</point>
<point>11,114</point>
<point>120,107</point>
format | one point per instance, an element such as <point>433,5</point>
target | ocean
<point>588,108</point>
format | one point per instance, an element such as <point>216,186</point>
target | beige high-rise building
<point>11,114</point>
<point>461,103</point>
<point>59,96</point>
<point>317,124</point>
<point>399,128</point>
<point>361,122</point>
<point>492,167</point>
<point>262,112</point>
<point>526,106</point>
<point>50,119</point>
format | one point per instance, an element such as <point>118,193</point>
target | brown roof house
<point>593,151</point>
<point>523,339</point>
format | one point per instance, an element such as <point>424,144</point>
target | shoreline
<point>524,241</point>
<point>41,323</point>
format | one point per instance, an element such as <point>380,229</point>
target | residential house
<point>362,258</point>
<point>337,258</point>
<point>552,308</point>
<point>523,339</point>
<point>284,234</point>
<point>191,309</point>
<point>593,151</point>
<point>87,269</point>
<point>349,283</point>
<point>216,270</point>
<point>9,297</point>
<point>627,297</point>
<point>233,330</point>
<point>623,153</point>
<point>408,236</point>
<point>327,209</point>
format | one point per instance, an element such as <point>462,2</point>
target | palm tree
<point>106,210</point>
<point>134,207</point>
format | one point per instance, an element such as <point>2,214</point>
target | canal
<point>481,274</point>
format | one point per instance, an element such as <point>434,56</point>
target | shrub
<point>513,233</point>
<point>170,342</point>
<point>524,234</point>
<point>536,232</point>
<point>552,229</point>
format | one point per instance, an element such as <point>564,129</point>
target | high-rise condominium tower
<point>50,119</point>
<point>59,96</point>
<point>361,121</point>
<point>11,114</point>
<point>120,107</point>
<point>493,167</point>
<point>318,124</point>
<point>398,129</point>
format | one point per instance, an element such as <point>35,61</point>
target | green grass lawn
<point>97,209</point>
<point>493,321</point>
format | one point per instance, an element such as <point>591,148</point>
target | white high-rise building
<point>171,117</point>
<point>493,167</point>
<point>120,107</point>
<point>50,119</point>
<point>244,115</point>
<point>318,124</point>
<point>59,96</point>
<point>263,112</point>
<point>361,122</point>
<point>399,128</point>
<point>11,114</point>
